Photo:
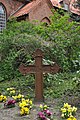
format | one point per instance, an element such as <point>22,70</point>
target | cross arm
<point>51,68</point>
<point>26,69</point>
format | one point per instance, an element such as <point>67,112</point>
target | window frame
<point>3,18</point>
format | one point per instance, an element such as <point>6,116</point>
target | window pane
<point>2,18</point>
<point>1,10</point>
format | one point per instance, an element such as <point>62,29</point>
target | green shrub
<point>59,41</point>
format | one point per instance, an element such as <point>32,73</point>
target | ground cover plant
<point>60,43</point>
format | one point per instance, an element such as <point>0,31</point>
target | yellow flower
<point>1,98</point>
<point>45,107</point>
<point>4,98</point>
<point>30,102</point>
<point>15,97</point>
<point>66,105</point>
<point>41,106</point>
<point>20,96</point>
<point>63,110</point>
<point>22,111</point>
<point>22,104</point>
<point>62,115</point>
<point>12,92</point>
<point>27,100</point>
<point>26,110</point>
<point>70,109</point>
<point>71,118</point>
<point>23,99</point>
<point>74,109</point>
<point>8,89</point>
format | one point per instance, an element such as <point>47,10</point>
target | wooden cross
<point>38,68</point>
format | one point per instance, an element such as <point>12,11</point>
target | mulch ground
<point>13,113</point>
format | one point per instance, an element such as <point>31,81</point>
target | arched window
<point>46,21</point>
<point>2,17</point>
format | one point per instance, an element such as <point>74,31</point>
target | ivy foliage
<point>60,42</point>
<point>63,38</point>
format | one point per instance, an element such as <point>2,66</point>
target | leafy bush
<point>63,38</point>
<point>59,41</point>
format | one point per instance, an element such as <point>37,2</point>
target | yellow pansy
<point>74,109</point>
<point>1,99</point>
<point>19,96</point>
<point>27,100</point>
<point>8,89</point>
<point>66,105</point>
<point>22,104</point>
<point>69,109</point>
<point>4,98</point>
<point>26,110</point>
<point>15,97</point>
<point>62,115</point>
<point>23,99</point>
<point>30,102</point>
<point>12,92</point>
<point>45,107</point>
<point>22,111</point>
<point>71,118</point>
<point>41,106</point>
<point>63,110</point>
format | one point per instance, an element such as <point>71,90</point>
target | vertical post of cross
<point>38,55</point>
<point>38,69</point>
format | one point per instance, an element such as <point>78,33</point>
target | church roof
<point>24,10</point>
<point>28,7</point>
<point>73,9</point>
<point>56,3</point>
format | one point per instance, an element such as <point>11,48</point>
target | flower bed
<point>18,97</point>
<point>25,105</point>
<point>44,113</point>
<point>3,98</point>
<point>68,112</point>
<point>9,104</point>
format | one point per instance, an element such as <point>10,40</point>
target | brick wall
<point>40,11</point>
<point>11,6</point>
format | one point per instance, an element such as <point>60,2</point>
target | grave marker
<point>38,69</point>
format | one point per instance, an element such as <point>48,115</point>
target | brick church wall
<point>40,11</point>
<point>11,6</point>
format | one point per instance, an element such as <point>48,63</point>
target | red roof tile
<point>72,9</point>
<point>24,10</point>
<point>55,3</point>
<point>27,8</point>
